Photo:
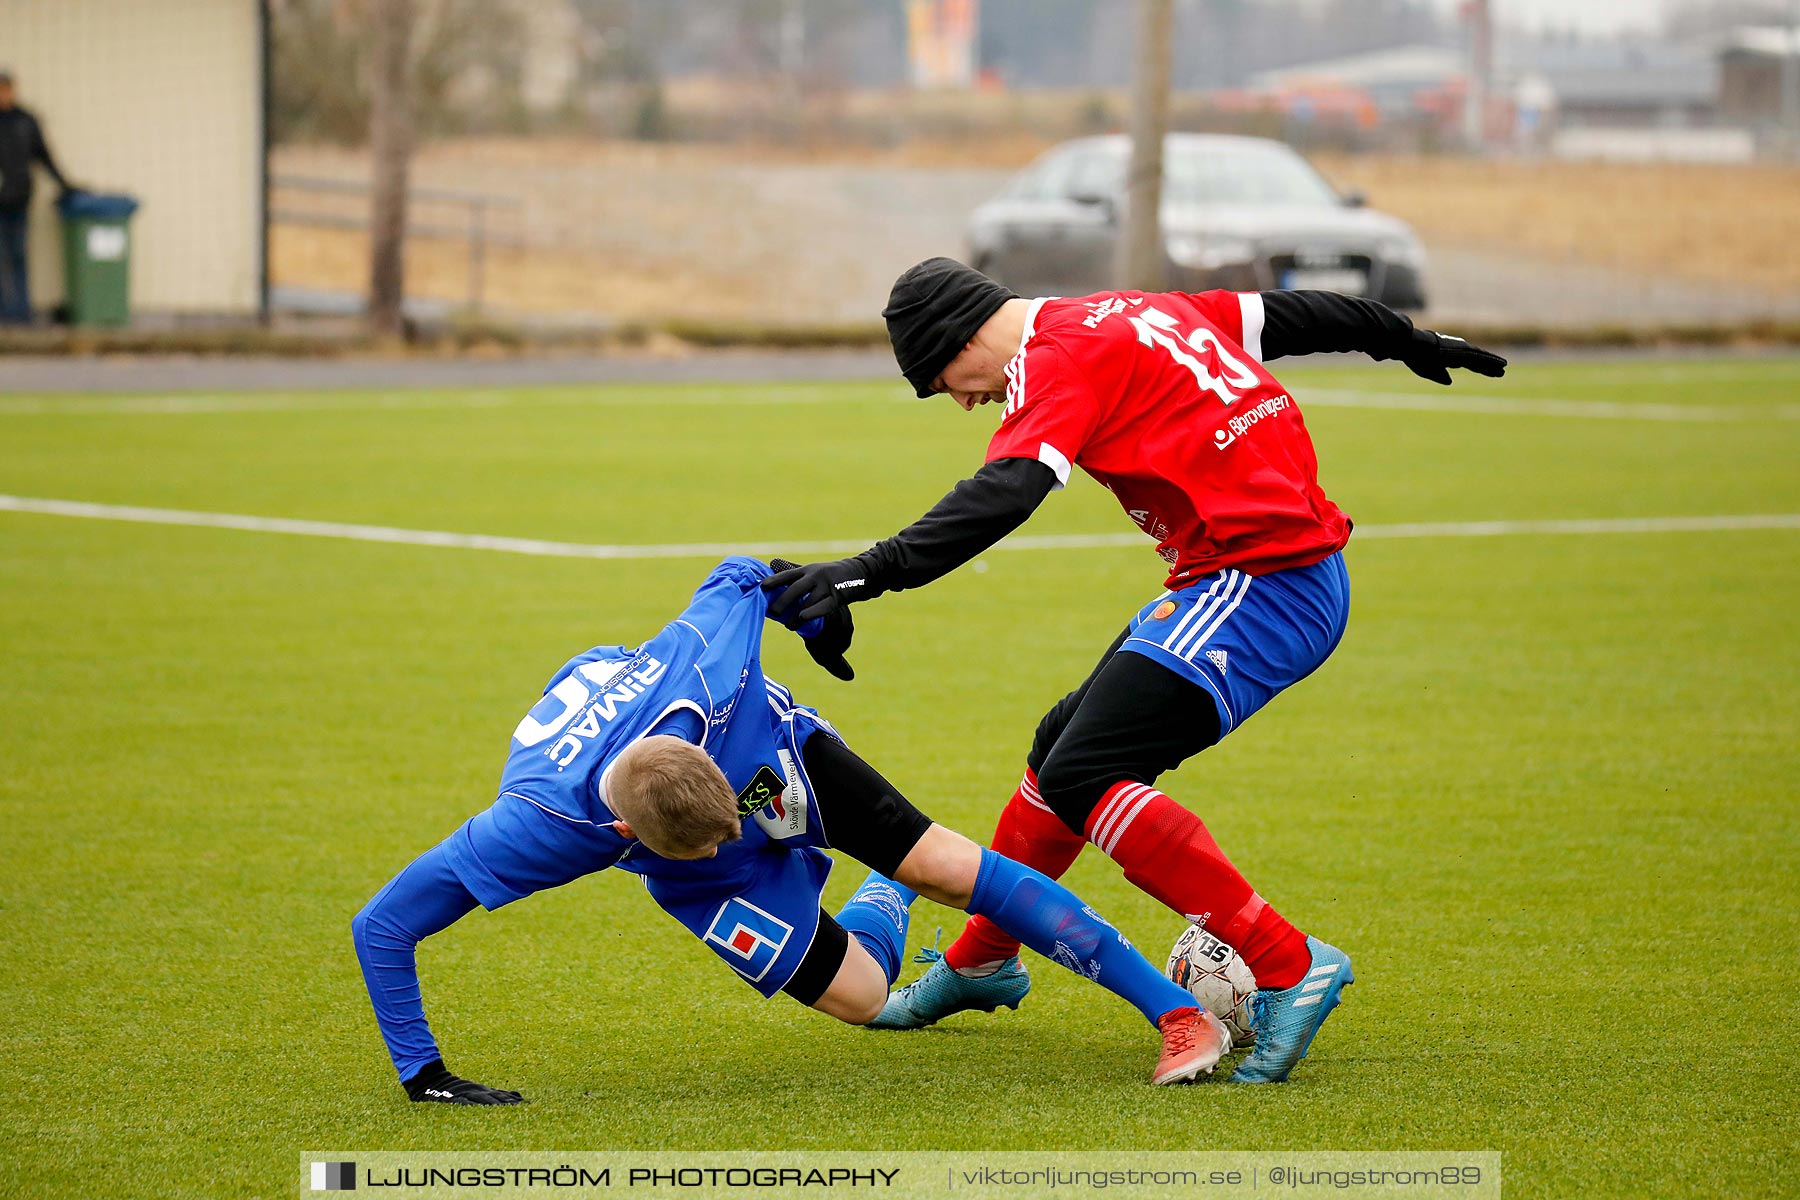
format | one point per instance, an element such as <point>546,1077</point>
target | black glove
<point>1431,356</point>
<point>435,1085</point>
<point>824,588</point>
<point>828,645</point>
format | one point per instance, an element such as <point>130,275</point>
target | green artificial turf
<point>1545,794</point>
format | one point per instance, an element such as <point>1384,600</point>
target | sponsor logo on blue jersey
<point>763,790</point>
<point>617,684</point>
<point>748,938</point>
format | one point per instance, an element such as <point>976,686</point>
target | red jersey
<point>1163,398</point>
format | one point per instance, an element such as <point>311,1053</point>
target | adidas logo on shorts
<point>1217,658</point>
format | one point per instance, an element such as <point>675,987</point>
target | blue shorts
<point>1244,638</point>
<point>763,925</point>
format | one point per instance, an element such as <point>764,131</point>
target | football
<point>1218,978</point>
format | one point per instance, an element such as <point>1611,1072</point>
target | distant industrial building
<point>1753,75</point>
<point>1720,100</point>
<point>1627,85</point>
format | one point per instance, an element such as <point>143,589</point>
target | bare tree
<point>390,146</point>
<point>1141,245</point>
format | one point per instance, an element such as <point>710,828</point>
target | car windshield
<point>1244,175</point>
<point>1217,174</point>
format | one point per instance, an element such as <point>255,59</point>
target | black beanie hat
<point>933,312</point>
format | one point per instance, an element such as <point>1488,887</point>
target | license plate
<point>1336,279</point>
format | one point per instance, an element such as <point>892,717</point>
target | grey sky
<point>1595,16</point>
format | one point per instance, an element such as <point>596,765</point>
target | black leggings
<point>867,818</point>
<point>1132,718</point>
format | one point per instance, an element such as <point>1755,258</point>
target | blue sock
<point>877,917</point>
<point>1052,920</point>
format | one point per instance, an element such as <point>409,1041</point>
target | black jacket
<point>21,144</point>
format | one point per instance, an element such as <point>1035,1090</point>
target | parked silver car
<point>1243,213</point>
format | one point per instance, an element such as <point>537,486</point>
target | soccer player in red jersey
<point>1163,398</point>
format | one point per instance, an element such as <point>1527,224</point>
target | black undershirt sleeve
<point>975,514</point>
<point>1327,322</point>
<point>41,151</point>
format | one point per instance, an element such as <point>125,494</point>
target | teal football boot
<point>940,991</point>
<point>1286,1022</point>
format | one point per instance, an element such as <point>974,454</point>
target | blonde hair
<point>674,797</point>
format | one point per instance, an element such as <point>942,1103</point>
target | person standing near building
<point>21,145</point>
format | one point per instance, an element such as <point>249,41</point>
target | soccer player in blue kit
<point>679,761</point>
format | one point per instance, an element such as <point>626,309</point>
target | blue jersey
<point>700,677</point>
<point>755,905</point>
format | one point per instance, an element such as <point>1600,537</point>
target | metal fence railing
<point>327,203</point>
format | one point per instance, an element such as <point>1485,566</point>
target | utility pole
<point>1480,23</point>
<point>390,148</point>
<point>1140,263</point>
<point>1790,81</point>
<point>793,49</point>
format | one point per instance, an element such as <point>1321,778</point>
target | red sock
<point>1168,853</point>
<point>1030,833</point>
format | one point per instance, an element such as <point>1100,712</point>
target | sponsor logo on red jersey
<point>1137,402</point>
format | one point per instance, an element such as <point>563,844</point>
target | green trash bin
<point>97,256</point>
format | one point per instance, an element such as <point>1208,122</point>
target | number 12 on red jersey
<point>1157,328</point>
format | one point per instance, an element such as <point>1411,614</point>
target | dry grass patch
<point>1723,224</point>
<point>518,280</point>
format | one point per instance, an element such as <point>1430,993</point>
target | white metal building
<point>164,100</point>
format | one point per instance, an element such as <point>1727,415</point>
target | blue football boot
<point>940,991</point>
<point>1285,1022</point>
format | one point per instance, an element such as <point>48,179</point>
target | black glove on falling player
<point>819,589</point>
<point>1431,355</point>
<point>436,1085</point>
<point>828,645</point>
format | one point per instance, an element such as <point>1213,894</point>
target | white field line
<point>818,392</point>
<point>1523,406</point>
<point>1597,525</point>
<point>551,396</point>
<point>473,541</point>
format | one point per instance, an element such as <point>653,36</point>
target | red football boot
<point>1193,1043</point>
